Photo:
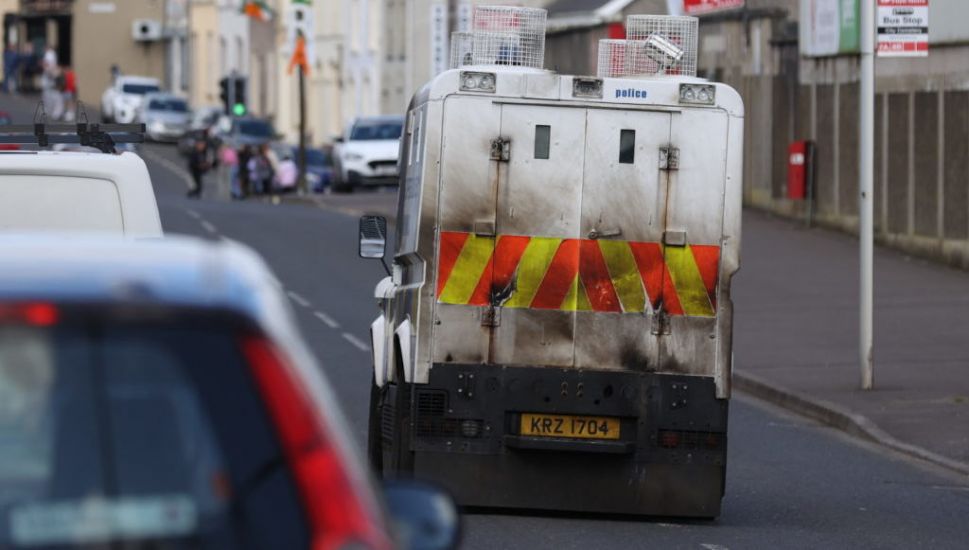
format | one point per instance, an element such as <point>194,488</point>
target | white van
<point>68,191</point>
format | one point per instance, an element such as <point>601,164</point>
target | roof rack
<point>102,137</point>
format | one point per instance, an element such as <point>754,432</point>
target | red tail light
<point>337,514</point>
<point>38,314</point>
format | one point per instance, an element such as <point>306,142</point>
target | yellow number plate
<point>561,425</point>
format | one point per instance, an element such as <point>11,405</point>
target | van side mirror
<point>373,236</point>
<point>425,518</point>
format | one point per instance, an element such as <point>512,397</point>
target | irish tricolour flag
<point>257,9</point>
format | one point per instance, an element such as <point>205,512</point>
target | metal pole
<point>301,160</point>
<point>866,164</point>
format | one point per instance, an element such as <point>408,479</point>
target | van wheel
<point>375,440</point>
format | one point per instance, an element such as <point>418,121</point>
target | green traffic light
<point>239,109</point>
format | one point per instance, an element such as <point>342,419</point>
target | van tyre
<point>375,440</point>
<point>402,457</point>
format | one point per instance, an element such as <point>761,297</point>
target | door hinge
<point>491,316</point>
<point>669,158</point>
<point>501,149</point>
<point>661,322</point>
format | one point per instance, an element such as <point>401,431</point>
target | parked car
<point>122,100</point>
<point>367,154</point>
<point>319,169</point>
<point>166,116</point>
<point>72,191</point>
<point>156,394</point>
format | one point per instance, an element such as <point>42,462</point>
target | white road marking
<point>209,227</point>
<point>298,299</point>
<point>193,213</point>
<point>327,320</point>
<point>357,343</point>
<point>709,546</point>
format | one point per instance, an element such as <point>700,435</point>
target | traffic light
<point>224,94</point>
<point>239,96</point>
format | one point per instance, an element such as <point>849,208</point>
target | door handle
<point>605,233</point>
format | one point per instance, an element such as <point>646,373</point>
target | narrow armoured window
<point>627,146</point>
<point>543,135</point>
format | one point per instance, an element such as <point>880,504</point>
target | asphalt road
<point>791,483</point>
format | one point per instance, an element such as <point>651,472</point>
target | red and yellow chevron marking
<point>577,274</point>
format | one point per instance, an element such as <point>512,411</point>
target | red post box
<point>797,161</point>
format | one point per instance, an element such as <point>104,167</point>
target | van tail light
<point>338,515</point>
<point>38,314</point>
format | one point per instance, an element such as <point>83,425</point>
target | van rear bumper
<point>669,459</point>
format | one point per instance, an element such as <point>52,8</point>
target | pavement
<point>796,338</point>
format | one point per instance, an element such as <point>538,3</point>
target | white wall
<point>233,37</point>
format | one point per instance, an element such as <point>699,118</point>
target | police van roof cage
<point>654,45</point>
<point>102,137</point>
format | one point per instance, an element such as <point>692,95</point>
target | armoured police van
<point>556,329</point>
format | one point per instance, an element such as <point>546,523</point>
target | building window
<point>627,146</point>
<point>543,137</point>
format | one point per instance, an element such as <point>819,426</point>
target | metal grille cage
<point>462,45</point>
<point>664,44</point>
<point>619,58</point>
<point>612,58</point>
<point>509,35</point>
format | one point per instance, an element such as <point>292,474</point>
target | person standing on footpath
<point>245,184</point>
<point>198,165</point>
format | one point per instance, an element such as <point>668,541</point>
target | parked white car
<point>77,192</point>
<point>367,154</point>
<point>123,99</point>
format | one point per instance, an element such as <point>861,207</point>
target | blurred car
<point>156,394</point>
<point>319,164</point>
<point>166,116</point>
<point>367,154</point>
<point>319,169</point>
<point>187,142</point>
<point>6,119</point>
<point>122,100</point>
<point>72,191</point>
<point>238,131</point>
<point>205,117</point>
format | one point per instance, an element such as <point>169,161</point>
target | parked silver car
<point>166,116</point>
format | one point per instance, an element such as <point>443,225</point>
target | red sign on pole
<point>903,28</point>
<point>700,7</point>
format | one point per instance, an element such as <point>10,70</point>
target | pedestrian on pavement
<point>52,85</point>
<point>198,165</point>
<point>70,93</point>
<point>260,171</point>
<point>229,161</point>
<point>49,61</point>
<point>273,160</point>
<point>10,62</point>
<point>286,175</point>
<point>245,184</point>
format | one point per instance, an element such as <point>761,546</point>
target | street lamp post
<point>866,163</point>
